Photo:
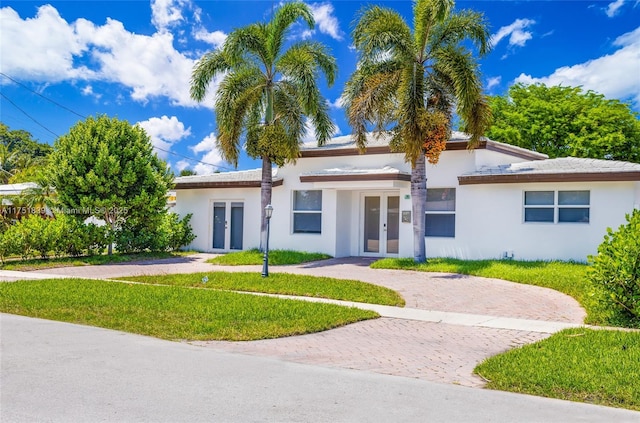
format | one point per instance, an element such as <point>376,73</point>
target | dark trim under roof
<point>451,146</point>
<point>224,184</point>
<point>550,177</point>
<point>355,177</point>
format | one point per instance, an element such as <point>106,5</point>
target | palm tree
<point>267,92</point>
<point>409,82</point>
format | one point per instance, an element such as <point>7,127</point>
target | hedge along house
<point>496,201</point>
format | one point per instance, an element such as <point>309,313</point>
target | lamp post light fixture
<point>268,211</point>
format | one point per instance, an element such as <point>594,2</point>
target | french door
<point>228,224</point>
<point>380,224</point>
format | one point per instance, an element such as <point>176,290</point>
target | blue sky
<point>133,59</point>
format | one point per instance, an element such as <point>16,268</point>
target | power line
<point>41,95</point>
<point>85,117</point>
<point>28,115</point>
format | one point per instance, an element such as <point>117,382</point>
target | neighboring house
<point>497,201</point>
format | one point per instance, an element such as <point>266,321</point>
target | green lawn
<point>172,312</point>
<point>281,283</point>
<point>569,278</point>
<point>276,257</point>
<point>595,366</point>
<point>38,264</point>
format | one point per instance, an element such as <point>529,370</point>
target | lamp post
<point>268,211</point>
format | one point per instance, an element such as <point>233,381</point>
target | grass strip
<point>172,312</point>
<point>594,366</point>
<point>565,277</point>
<point>276,258</point>
<point>50,263</point>
<point>281,283</point>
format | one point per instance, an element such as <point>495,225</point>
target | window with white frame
<point>440,217</point>
<point>556,206</point>
<point>307,212</point>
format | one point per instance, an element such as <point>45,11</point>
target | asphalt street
<point>59,372</point>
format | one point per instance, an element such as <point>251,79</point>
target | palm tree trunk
<point>419,202</point>
<point>265,198</point>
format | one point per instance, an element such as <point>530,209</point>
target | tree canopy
<point>268,90</point>
<point>106,168</point>
<point>566,121</point>
<point>20,155</point>
<point>409,81</point>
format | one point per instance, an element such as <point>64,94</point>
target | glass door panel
<point>237,223</point>
<point>219,224</point>
<point>393,224</point>
<point>371,224</point>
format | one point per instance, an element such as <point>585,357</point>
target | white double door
<point>228,225</point>
<point>380,223</point>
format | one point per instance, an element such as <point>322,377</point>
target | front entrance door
<point>380,224</point>
<point>228,222</point>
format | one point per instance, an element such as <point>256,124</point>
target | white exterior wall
<point>489,217</point>
<point>490,222</point>
<point>199,202</point>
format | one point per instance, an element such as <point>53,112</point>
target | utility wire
<point>41,95</point>
<point>28,115</point>
<point>85,117</point>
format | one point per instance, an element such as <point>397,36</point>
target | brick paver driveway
<point>426,350</point>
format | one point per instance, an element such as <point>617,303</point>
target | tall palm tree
<point>267,92</point>
<point>409,82</point>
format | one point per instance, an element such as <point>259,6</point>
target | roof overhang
<point>223,184</point>
<point>550,177</point>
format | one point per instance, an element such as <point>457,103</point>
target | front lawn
<point>172,312</point>
<point>281,283</point>
<point>276,257</point>
<point>50,263</point>
<point>594,366</point>
<point>568,278</point>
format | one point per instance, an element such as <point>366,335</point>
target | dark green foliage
<point>34,236</point>
<point>616,269</point>
<point>170,234</point>
<point>106,168</point>
<point>565,121</point>
<point>20,155</point>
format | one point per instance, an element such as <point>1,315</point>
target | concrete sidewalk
<point>450,323</point>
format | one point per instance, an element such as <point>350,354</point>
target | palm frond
<point>282,20</point>
<point>427,16</point>
<point>205,70</point>
<point>381,32</point>
<point>465,25</point>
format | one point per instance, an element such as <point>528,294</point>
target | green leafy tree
<point>187,172</point>
<point>19,153</point>
<point>267,91</point>
<point>566,121</point>
<point>107,167</point>
<point>616,270</point>
<point>410,81</point>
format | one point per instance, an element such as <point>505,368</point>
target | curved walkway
<point>442,349</point>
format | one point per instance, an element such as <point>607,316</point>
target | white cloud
<point>337,104</point>
<point>518,36</point>
<point>609,75</point>
<point>49,49</point>
<point>325,20</point>
<point>211,159</point>
<point>613,8</point>
<point>88,91</point>
<point>492,82</point>
<point>310,134</point>
<point>164,132</point>
<point>215,38</point>
<point>41,48</point>
<point>165,13</point>
<point>182,165</point>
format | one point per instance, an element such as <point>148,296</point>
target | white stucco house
<point>496,201</point>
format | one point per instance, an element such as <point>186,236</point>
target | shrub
<point>169,234</point>
<point>616,270</point>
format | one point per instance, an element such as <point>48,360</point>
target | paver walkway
<point>436,351</point>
